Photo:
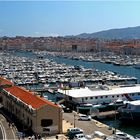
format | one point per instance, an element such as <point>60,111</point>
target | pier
<point>107,114</point>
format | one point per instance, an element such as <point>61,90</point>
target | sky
<point>60,18</point>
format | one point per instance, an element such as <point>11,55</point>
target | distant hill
<point>122,33</point>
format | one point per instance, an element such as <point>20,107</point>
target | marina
<point>49,73</point>
<point>97,64</point>
<point>35,71</point>
<point>70,70</point>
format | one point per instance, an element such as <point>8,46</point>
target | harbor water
<point>125,70</point>
<point>131,129</point>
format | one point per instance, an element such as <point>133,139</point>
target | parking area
<point>88,126</point>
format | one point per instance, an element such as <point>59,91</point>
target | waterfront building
<point>35,113</point>
<point>101,94</point>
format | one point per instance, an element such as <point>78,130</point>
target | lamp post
<point>74,120</point>
<point>115,119</point>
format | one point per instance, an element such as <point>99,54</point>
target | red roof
<point>28,97</point>
<point>4,81</point>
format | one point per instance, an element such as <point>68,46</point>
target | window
<point>46,129</point>
<point>46,122</point>
<point>96,97</point>
<point>86,98</point>
<point>117,95</point>
<point>27,120</point>
<point>106,96</point>
<point>112,96</point>
<point>1,99</point>
<point>101,96</point>
<point>31,123</point>
<point>91,97</point>
<point>16,111</point>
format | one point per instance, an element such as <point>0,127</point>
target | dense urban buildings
<point>71,44</point>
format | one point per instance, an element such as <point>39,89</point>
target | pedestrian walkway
<point>66,125</point>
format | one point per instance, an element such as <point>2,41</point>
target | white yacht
<point>131,111</point>
<point>137,66</point>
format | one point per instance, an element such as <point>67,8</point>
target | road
<point>1,137</point>
<point>88,126</point>
<point>6,132</point>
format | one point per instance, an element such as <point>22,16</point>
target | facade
<point>35,113</point>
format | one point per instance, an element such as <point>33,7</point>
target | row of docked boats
<point>110,58</point>
<point>30,71</point>
<point>107,57</point>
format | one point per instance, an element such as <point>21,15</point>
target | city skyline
<point>60,18</point>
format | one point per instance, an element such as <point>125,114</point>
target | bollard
<point>56,137</point>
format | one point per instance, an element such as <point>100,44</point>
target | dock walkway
<point>107,114</point>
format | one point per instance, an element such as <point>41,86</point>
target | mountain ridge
<point>117,33</point>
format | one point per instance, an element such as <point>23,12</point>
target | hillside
<point>122,33</point>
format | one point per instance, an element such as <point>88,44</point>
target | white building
<point>102,95</point>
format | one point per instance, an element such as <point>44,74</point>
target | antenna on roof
<point>41,94</point>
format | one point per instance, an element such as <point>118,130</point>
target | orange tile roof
<point>4,81</point>
<point>28,97</point>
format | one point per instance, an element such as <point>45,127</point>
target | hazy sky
<point>47,18</point>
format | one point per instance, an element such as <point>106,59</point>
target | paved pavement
<point>69,120</point>
<point>88,126</point>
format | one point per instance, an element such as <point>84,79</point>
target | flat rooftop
<point>86,92</point>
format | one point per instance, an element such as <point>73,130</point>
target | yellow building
<point>35,113</point>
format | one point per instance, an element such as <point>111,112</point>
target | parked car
<point>137,136</point>
<point>71,132</point>
<point>84,117</point>
<point>123,136</point>
<point>66,109</point>
<point>99,134</point>
<point>80,137</point>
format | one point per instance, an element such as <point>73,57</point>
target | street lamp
<point>74,115</point>
<point>115,119</point>
<point>74,120</point>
